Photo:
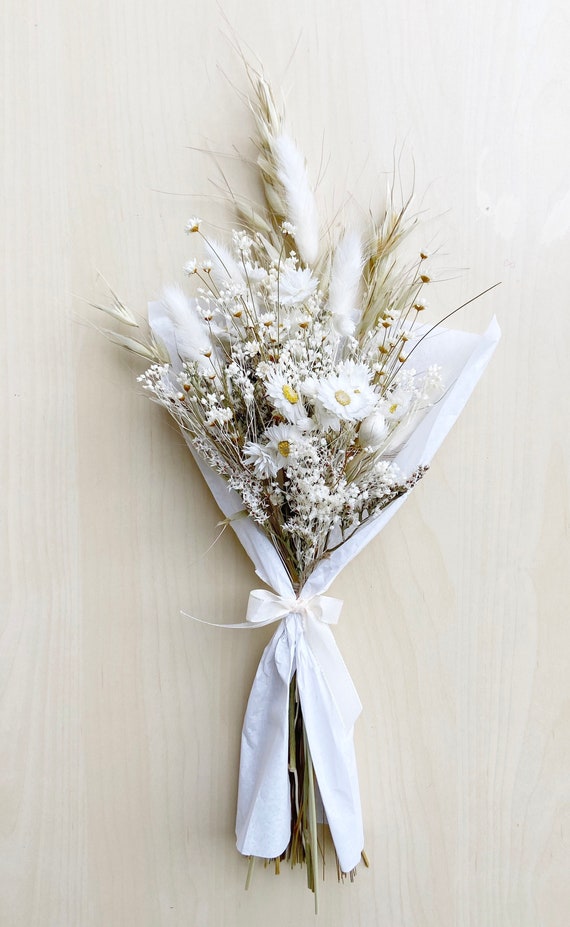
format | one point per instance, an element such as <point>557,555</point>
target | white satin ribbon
<point>315,614</point>
<point>264,607</point>
<point>303,643</point>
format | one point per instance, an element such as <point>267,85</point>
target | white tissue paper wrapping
<point>303,641</point>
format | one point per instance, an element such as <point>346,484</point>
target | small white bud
<point>372,430</point>
<point>193,225</point>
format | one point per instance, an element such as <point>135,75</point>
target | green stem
<point>250,865</point>
<point>312,822</point>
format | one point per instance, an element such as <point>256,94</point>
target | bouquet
<point>313,395</point>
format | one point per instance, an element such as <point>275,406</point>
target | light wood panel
<point>120,720</point>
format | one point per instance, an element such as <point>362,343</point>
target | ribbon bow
<point>265,607</point>
<point>306,619</point>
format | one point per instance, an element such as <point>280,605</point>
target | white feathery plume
<point>193,340</point>
<point>345,282</point>
<point>225,268</point>
<point>299,197</point>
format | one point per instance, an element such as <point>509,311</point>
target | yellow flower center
<point>393,408</point>
<point>283,447</point>
<point>290,394</point>
<point>342,398</point>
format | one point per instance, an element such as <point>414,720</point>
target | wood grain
<point>120,720</point>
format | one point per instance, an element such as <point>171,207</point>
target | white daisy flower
<point>193,225</point>
<point>280,449</point>
<point>262,461</point>
<point>283,444</point>
<point>296,285</point>
<point>284,394</point>
<point>345,396</point>
<point>397,403</point>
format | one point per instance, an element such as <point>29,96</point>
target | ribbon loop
<point>265,607</point>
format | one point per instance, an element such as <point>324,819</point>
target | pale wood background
<point>120,720</point>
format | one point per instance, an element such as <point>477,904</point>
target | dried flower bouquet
<point>313,396</point>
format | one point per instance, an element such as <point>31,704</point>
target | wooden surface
<point>119,719</point>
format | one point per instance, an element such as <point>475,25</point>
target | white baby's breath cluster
<point>291,375</point>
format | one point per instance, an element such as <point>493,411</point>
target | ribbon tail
<point>328,658</point>
<point>244,625</point>
<point>334,760</point>
<point>263,822</point>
